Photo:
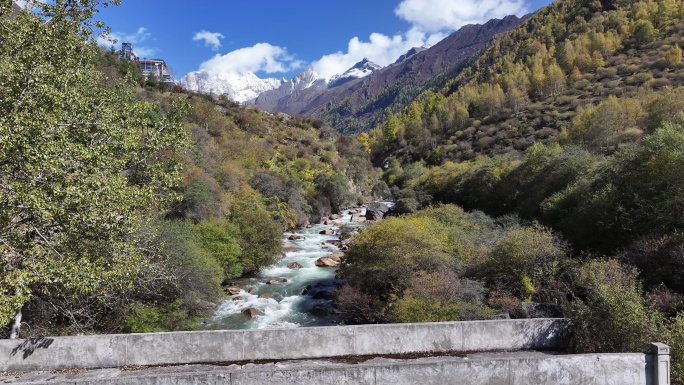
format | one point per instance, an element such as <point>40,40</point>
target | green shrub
<point>441,296</point>
<point>384,257</point>
<point>522,260</point>
<point>142,318</point>
<point>609,313</point>
<point>336,188</point>
<point>674,337</point>
<point>195,273</point>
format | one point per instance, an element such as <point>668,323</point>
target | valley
<point>535,165</point>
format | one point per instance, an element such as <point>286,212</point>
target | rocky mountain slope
<point>360,70</point>
<point>359,104</point>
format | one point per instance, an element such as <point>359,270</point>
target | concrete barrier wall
<point>478,369</point>
<point>103,351</point>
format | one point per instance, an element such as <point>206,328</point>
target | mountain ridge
<point>360,104</point>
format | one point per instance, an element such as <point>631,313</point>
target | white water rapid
<point>283,305</point>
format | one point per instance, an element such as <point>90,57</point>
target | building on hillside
<point>16,8</point>
<point>127,53</point>
<point>149,67</point>
<point>156,67</point>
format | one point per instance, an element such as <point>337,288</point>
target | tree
<point>218,239</point>
<point>78,160</point>
<point>336,188</point>
<point>555,80</point>
<point>260,232</point>
<point>644,32</point>
<point>674,55</point>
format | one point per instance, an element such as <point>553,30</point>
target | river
<point>284,305</point>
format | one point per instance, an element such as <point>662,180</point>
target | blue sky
<point>278,38</point>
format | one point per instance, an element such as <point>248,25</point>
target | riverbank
<point>294,292</point>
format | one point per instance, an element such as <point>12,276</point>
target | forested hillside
<point>360,105</point>
<point>125,206</point>
<point>562,146</point>
<point>548,78</point>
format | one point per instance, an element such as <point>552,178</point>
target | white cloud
<point>136,39</point>
<point>260,57</point>
<point>431,21</point>
<point>450,15</point>
<point>210,39</point>
<point>379,48</point>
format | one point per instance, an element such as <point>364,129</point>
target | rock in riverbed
<point>276,281</point>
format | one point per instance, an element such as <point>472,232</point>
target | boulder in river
<point>327,232</point>
<point>336,256</point>
<point>251,312</point>
<point>237,298</point>
<point>334,242</point>
<point>232,290</point>
<point>276,281</point>
<point>265,296</point>
<point>294,266</point>
<point>296,237</point>
<point>327,262</point>
<point>357,218</point>
<point>376,210</point>
<point>288,248</point>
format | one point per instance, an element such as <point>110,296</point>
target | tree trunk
<point>16,327</point>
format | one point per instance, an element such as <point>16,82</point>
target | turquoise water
<point>284,305</point>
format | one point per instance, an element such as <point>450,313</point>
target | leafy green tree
<point>78,160</point>
<point>260,230</point>
<point>555,80</point>
<point>336,188</point>
<point>391,128</point>
<point>219,239</point>
<point>644,32</point>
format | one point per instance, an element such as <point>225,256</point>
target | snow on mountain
<point>239,87</point>
<point>306,79</point>
<point>360,70</point>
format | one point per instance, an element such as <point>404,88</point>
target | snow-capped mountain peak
<point>240,87</point>
<point>360,70</point>
<point>306,79</point>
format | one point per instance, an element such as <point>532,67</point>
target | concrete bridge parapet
<point>192,355</point>
<point>104,351</point>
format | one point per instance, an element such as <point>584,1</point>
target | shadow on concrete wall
<point>554,336</point>
<point>29,346</point>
